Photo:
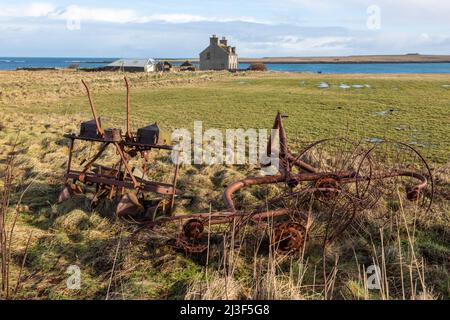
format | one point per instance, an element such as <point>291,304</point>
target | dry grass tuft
<point>216,288</point>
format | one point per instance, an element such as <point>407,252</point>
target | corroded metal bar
<point>94,111</point>
<point>156,187</point>
<point>345,178</point>
<point>129,135</point>
<point>223,217</point>
<point>174,181</point>
<point>227,196</point>
<point>137,146</point>
<point>91,162</point>
<point>301,164</point>
<point>69,162</point>
<point>125,164</point>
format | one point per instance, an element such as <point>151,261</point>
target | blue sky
<point>176,28</point>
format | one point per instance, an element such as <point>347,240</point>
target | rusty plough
<point>322,188</point>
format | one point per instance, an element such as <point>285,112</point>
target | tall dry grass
<point>8,221</point>
<point>401,273</point>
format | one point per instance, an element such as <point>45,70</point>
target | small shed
<point>134,65</point>
<point>187,66</point>
<point>164,66</point>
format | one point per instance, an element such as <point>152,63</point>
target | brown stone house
<point>219,55</point>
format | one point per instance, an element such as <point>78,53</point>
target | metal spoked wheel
<point>288,237</point>
<point>331,199</point>
<point>401,179</point>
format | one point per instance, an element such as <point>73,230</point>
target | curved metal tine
<point>338,220</point>
<point>307,148</point>
<point>339,158</point>
<point>125,163</point>
<point>93,109</point>
<point>362,177</point>
<point>425,169</point>
<point>381,163</point>
<point>340,152</point>
<point>344,226</point>
<point>353,157</point>
<point>396,157</point>
<point>129,130</point>
<point>96,156</point>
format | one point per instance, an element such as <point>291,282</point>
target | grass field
<point>412,109</point>
<point>408,58</point>
<point>37,108</point>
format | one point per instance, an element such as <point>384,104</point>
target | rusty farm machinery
<point>322,188</point>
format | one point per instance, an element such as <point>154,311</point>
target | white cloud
<point>403,5</point>
<point>110,15</point>
<point>39,9</point>
<point>407,26</point>
<point>290,45</point>
<point>36,9</point>
<point>296,43</point>
<point>314,4</point>
<point>410,11</point>
<point>95,14</point>
<point>186,18</point>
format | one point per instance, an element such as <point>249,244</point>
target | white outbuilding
<point>134,65</point>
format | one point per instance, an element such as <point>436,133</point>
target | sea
<point>13,63</point>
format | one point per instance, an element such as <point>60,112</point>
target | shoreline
<point>369,59</point>
<point>341,62</point>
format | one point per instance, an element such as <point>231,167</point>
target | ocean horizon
<point>13,63</point>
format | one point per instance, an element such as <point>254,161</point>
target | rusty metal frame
<point>321,183</point>
<point>307,173</point>
<point>125,179</point>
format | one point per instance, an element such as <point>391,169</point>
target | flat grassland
<point>37,108</point>
<point>407,58</point>
<point>410,108</point>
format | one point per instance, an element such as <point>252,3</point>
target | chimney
<point>214,40</point>
<point>224,42</point>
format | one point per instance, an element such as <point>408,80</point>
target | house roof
<point>132,63</point>
<point>224,48</point>
<point>186,64</point>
